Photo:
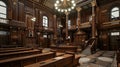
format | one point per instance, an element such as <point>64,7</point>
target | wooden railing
<point>93,46</point>
<point>89,42</point>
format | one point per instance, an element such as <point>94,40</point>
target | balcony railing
<point>46,29</point>
<point>111,24</point>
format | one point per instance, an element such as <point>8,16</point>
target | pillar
<point>93,3</point>
<point>66,13</point>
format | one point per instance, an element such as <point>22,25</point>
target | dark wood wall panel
<point>21,13</point>
<point>15,11</point>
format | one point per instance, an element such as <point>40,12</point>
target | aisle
<point>99,59</point>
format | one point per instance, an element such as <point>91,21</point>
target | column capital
<point>66,13</point>
<point>93,3</point>
<point>78,9</point>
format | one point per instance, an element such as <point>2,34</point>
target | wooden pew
<point>6,50</point>
<point>64,48</point>
<point>76,58</point>
<point>61,61</point>
<point>19,53</point>
<point>26,60</point>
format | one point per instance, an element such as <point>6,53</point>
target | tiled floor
<point>100,59</point>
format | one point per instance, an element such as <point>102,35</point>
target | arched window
<point>45,21</point>
<point>69,23</point>
<point>115,13</point>
<point>3,11</point>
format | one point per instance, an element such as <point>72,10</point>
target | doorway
<point>113,42</point>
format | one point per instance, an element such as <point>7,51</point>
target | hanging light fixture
<point>64,5</point>
<point>33,18</point>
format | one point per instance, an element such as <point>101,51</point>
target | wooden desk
<point>61,61</point>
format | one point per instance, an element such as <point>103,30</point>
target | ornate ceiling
<point>50,3</point>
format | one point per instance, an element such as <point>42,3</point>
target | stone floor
<point>99,59</point>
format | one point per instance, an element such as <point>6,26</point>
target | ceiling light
<point>72,7</point>
<point>64,5</point>
<point>69,9</point>
<point>57,1</point>
<point>73,1</point>
<point>55,4</point>
<point>56,7</point>
<point>61,0</point>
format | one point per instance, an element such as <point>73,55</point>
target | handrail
<point>92,46</point>
<point>92,43</point>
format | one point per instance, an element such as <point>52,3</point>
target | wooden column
<point>40,19</point>
<point>66,13</point>
<point>93,18</point>
<point>78,17</point>
<point>55,27</point>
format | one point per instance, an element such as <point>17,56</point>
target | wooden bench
<point>26,60</point>
<point>76,58</point>
<point>6,50</point>
<point>61,61</point>
<point>64,48</point>
<point>19,53</point>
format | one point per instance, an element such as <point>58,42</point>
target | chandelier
<point>64,5</point>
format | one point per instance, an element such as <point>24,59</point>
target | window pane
<point>115,33</point>
<point>2,16</point>
<point>2,3</point>
<point>3,33</point>
<point>2,10</point>
<point>115,9</point>
<point>115,14</point>
<point>45,36</point>
<point>69,23</point>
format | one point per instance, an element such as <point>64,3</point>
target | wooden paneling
<point>21,13</point>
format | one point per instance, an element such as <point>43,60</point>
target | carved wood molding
<point>17,23</point>
<point>112,24</point>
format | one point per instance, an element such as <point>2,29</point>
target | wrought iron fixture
<point>64,5</point>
